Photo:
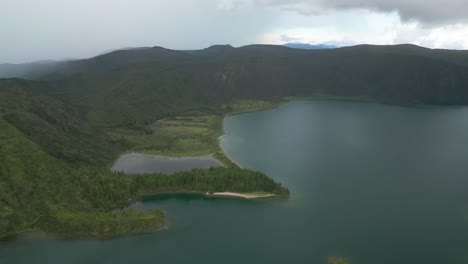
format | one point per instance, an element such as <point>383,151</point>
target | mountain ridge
<point>147,84</point>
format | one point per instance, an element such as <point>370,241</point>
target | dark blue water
<point>376,184</point>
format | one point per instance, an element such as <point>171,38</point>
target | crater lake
<point>371,183</point>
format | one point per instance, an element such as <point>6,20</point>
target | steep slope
<point>58,129</point>
<point>41,143</point>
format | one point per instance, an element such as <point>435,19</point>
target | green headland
<point>55,168</point>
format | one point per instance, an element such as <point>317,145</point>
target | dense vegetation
<point>60,132</point>
<point>54,175</point>
<point>105,191</point>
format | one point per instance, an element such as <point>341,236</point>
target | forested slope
<point>138,86</point>
<point>54,174</point>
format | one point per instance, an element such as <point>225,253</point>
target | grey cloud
<point>33,30</point>
<point>426,11</point>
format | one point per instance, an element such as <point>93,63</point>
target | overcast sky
<point>33,30</point>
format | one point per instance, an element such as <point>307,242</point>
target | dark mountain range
<point>146,84</point>
<point>136,86</point>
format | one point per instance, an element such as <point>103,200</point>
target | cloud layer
<point>425,11</point>
<point>55,29</point>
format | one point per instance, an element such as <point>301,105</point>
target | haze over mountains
<point>10,70</point>
<point>13,70</point>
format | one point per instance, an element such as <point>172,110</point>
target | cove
<point>133,163</point>
<point>369,182</point>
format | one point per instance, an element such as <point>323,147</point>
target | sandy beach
<point>243,195</point>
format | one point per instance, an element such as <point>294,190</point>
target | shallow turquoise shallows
<point>376,184</point>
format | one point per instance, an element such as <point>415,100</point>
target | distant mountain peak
<point>221,46</point>
<point>215,50</point>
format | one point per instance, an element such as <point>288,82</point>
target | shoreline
<point>222,152</point>
<point>281,101</point>
<point>236,195</point>
<point>274,103</point>
<point>242,195</point>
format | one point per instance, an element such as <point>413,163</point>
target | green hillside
<point>54,174</point>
